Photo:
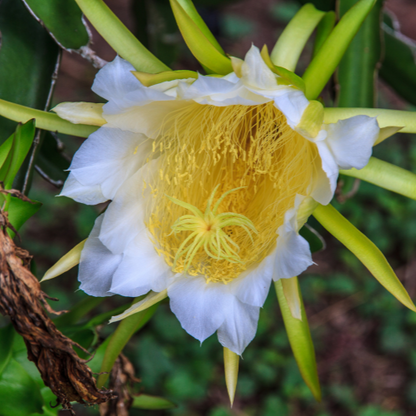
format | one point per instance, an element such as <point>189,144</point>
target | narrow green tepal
<point>325,62</point>
<point>387,176</point>
<point>43,119</point>
<point>364,249</point>
<point>293,39</point>
<point>200,46</point>
<point>300,340</point>
<point>119,37</point>
<point>191,11</point>
<point>324,29</point>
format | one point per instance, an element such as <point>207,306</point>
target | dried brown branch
<point>121,382</point>
<point>22,299</point>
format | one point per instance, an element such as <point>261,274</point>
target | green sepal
<point>287,77</point>
<point>109,26</point>
<point>387,176</point>
<point>330,54</point>
<point>200,46</point>
<point>191,11</point>
<point>152,79</point>
<point>364,249</point>
<point>323,30</point>
<point>293,39</point>
<point>300,340</point>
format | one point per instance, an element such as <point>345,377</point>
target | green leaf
<point>109,26</point>
<point>19,394</point>
<point>63,21</point>
<point>22,141</point>
<point>293,39</point>
<point>6,338</point>
<point>315,240</point>
<point>20,211</point>
<point>28,56</point>
<point>121,336</point>
<point>399,68</point>
<point>329,56</point>
<point>301,341</point>
<point>145,401</point>
<point>357,71</point>
<point>5,150</point>
<point>387,176</point>
<point>203,50</point>
<point>364,249</point>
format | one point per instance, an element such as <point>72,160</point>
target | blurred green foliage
<point>365,340</point>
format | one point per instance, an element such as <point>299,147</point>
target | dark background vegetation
<point>365,340</point>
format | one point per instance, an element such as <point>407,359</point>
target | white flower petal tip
<point>351,141</point>
<point>81,113</point>
<point>291,291</point>
<point>151,299</point>
<point>292,253</point>
<point>231,364</point>
<point>65,263</point>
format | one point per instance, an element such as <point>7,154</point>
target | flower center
<point>245,161</point>
<point>207,232</point>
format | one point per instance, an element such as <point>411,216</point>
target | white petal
<point>292,103</point>
<point>199,306</point>
<point>141,268</point>
<point>89,195</point>
<point>115,80</point>
<point>256,73</point>
<point>219,92</point>
<point>108,157</point>
<point>123,219</point>
<point>292,254</point>
<point>253,285</point>
<point>97,265</point>
<point>239,327</point>
<point>351,141</point>
<point>326,175</point>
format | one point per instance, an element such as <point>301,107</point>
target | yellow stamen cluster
<point>202,148</point>
<point>208,232</point>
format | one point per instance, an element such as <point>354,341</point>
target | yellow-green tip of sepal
<point>65,263</point>
<point>231,363</point>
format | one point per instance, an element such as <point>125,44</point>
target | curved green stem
<point>43,119</point>
<point>109,26</point>
<point>385,117</point>
<point>386,176</point>
<point>121,336</point>
<point>291,42</point>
